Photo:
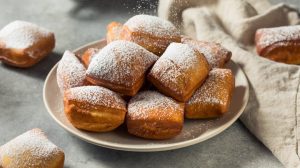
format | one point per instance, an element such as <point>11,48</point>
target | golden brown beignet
<point>23,44</point>
<point>150,32</point>
<point>179,71</point>
<point>281,44</point>
<point>70,72</point>
<point>215,54</point>
<point>113,31</point>
<point>94,108</point>
<point>88,55</point>
<point>152,115</point>
<point>120,66</point>
<point>213,98</point>
<point>31,150</point>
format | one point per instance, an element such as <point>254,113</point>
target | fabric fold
<point>272,113</point>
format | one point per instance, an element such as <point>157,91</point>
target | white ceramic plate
<point>194,131</point>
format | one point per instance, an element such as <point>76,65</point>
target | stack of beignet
<point>185,74</point>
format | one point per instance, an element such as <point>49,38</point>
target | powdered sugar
<point>270,36</point>
<point>121,62</point>
<point>213,89</point>
<point>21,34</point>
<point>31,149</point>
<point>96,95</point>
<point>215,60</point>
<point>150,103</point>
<point>211,59</point>
<point>174,64</point>
<point>215,54</point>
<point>152,25</point>
<point>70,72</point>
<point>180,54</point>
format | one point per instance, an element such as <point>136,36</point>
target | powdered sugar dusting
<point>147,101</point>
<point>31,149</point>
<point>181,54</point>
<point>96,95</point>
<point>173,65</point>
<point>70,72</point>
<point>270,36</point>
<point>212,90</point>
<point>212,60</point>
<point>121,62</point>
<point>215,54</point>
<point>21,34</point>
<point>152,25</point>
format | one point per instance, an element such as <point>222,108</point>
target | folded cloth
<point>273,110</point>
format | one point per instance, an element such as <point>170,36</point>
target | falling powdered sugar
<point>21,34</point>
<point>31,149</point>
<point>96,95</point>
<point>70,72</point>
<point>142,7</point>
<point>152,25</point>
<point>146,102</point>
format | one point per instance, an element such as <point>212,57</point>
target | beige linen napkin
<point>273,110</point>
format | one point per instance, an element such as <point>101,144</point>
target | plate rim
<point>150,148</point>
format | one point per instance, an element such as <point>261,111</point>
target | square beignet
<point>150,32</point>
<point>32,149</point>
<point>70,72</point>
<point>94,108</point>
<point>281,44</point>
<point>152,115</point>
<point>213,98</point>
<point>216,55</point>
<point>23,44</point>
<point>113,31</point>
<point>121,67</point>
<point>179,71</point>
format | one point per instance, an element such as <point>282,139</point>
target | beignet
<point>120,66</point>
<point>88,55</point>
<point>70,72</point>
<point>179,71</point>
<point>94,108</point>
<point>150,32</point>
<point>32,149</point>
<point>23,44</point>
<point>113,31</point>
<point>152,115</point>
<point>281,44</point>
<point>216,55</point>
<point>213,98</point>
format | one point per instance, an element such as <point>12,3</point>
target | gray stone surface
<point>75,23</point>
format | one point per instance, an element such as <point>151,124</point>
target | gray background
<point>77,22</point>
